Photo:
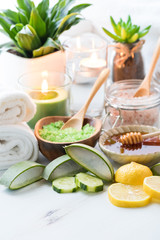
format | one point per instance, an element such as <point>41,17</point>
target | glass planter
<point>128,62</point>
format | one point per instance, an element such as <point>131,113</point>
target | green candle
<point>50,103</point>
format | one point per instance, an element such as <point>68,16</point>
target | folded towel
<point>15,107</point>
<point>17,143</point>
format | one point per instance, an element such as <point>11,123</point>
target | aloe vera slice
<point>91,159</point>
<point>61,167</point>
<point>22,174</point>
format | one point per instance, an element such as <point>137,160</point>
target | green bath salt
<point>53,132</point>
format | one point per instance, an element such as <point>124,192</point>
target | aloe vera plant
<point>35,31</point>
<point>126,32</point>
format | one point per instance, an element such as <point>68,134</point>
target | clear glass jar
<point>131,67</point>
<point>122,109</point>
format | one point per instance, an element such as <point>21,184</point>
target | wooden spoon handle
<point>154,60</point>
<point>100,80</point>
<point>153,134</point>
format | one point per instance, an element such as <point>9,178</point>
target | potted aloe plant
<point>34,32</point>
<point>128,61</point>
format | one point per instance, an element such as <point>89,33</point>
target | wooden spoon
<point>144,88</point>
<point>77,120</point>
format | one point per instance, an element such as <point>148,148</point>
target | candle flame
<point>44,86</point>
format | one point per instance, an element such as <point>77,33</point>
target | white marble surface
<point>37,212</point>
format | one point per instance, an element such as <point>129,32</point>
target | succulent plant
<point>35,31</point>
<point>126,32</point>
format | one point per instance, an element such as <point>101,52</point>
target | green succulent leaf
<point>28,39</point>
<point>43,8</point>
<point>126,32</point>
<point>49,46</point>
<point>115,27</point>
<point>116,38</point>
<point>37,23</point>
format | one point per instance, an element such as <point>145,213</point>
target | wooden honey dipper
<point>136,137</point>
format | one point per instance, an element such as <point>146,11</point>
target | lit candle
<point>49,101</point>
<point>92,63</point>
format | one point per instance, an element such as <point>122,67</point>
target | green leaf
<point>79,8</point>
<point>64,23</point>
<point>6,24</point>
<point>23,16</point>
<point>13,16</point>
<point>134,38</point>
<point>26,5</point>
<point>37,23</point>
<point>28,39</point>
<point>43,8</point>
<point>114,25</point>
<point>144,32</point>
<point>118,39</point>
<point>49,46</point>
<point>17,27</point>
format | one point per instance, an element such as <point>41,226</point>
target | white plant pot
<point>13,66</point>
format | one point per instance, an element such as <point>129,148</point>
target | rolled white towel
<point>17,143</point>
<point>15,107</point>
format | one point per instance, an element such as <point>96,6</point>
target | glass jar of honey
<point>123,109</point>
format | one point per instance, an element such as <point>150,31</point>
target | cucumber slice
<point>91,159</point>
<point>156,169</point>
<point>89,183</point>
<point>61,167</point>
<point>22,174</point>
<point>64,185</point>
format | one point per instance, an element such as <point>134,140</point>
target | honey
<point>150,145</point>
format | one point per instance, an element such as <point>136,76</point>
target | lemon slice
<point>92,160</point>
<point>22,174</point>
<point>122,195</point>
<point>151,186</point>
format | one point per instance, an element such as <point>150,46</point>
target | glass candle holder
<point>50,91</point>
<point>85,59</point>
<point>123,109</point>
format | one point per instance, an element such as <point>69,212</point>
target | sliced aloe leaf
<point>22,174</point>
<point>37,23</point>
<point>28,39</point>
<point>91,159</point>
<point>156,169</point>
<point>61,167</point>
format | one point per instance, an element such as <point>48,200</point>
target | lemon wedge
<point>128,196</point>
<point>151,186</point>
<point>132,174</point>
